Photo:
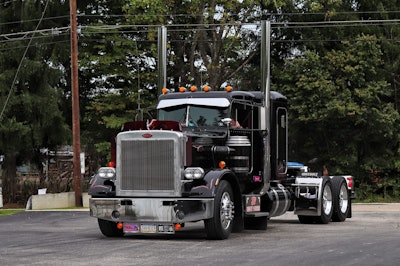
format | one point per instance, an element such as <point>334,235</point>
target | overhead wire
<point>208,27</point>
<point>176,28</point>
<point>8,2</point>
<point>20,64</point>
<point>283,14</point>
<point>25,34</point>
<point>108,32</point>
<point>33,20</point>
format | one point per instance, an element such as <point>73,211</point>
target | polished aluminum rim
<point>227,211</point>
<point>327,200</point>
<point>343,198</point>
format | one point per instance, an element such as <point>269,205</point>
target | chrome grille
<point>149,166</point>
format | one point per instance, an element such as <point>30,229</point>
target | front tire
<point>220,225</point>
<point>341,202</point>
<point>326,202</point>
<point>109,228</point>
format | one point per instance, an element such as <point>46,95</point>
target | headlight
<point>106,172</point>
<point>194,173</point>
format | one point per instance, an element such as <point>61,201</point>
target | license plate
<point>309,174</point>
<point>148,228</point>
<point>131,228</point>
<point>135,228</point>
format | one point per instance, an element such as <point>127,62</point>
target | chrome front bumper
<point>172,210</point>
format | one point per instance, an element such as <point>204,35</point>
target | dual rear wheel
<point>335,203</point>
<point>341,200</point>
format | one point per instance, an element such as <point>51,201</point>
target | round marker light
<point>221,165</point>
<point>182,89</point>
<point>193,88</point>
<point>120,226</point>
<point>177,227</point>
<point>349,182</point>
<point>228,88</point>
<point>207,88</point>
<point>164,90</point>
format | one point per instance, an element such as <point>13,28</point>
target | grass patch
<point>9,212</point>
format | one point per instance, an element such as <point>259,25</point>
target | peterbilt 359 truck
<point>215,156</point>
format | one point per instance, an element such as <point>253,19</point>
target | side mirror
<point>227,121</point>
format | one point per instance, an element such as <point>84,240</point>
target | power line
<point>288,14</point>
<point>8,2</point>
<point>273,24</point>
<point>24,35</point>
<point>179,27</point>
<point>107,30</point>
<point>13,48</point>
<point>136,28</point>
<point>19,66</point>
<point>237,14</point>
<point>32,20</point>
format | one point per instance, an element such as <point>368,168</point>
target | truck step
<point>257,214</point>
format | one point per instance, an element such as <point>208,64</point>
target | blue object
<point>294,164</point>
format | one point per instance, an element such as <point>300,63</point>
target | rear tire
<point>326,202</point>
<point>341,202</point>
<point>220,225</point>
<point>109,228</point>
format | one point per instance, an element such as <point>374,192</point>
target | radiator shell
<point>149,163</point>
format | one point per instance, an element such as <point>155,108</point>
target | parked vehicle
<point>216,156</point>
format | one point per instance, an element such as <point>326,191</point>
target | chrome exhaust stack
<point>265,87</point>
<point>162,58</point>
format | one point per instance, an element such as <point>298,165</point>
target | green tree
<point>209,41</point>
<point>114,67</point>
<point>30,99</point>
<point>339,108</point>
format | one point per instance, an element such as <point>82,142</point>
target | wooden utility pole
<point>75,105</point>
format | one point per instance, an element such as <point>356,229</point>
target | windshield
<point>194,115</point>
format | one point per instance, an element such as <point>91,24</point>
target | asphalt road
<point>371,237</point>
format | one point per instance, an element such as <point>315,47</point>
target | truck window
<point>242,114</point>
<point>194,115</point>
<point>206,116</point>
<point>175,113</point>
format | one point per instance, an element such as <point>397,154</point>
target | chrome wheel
<point>327,202</point>
<point>343,198</point>
<point>220,225</point>
<point>226,210</point>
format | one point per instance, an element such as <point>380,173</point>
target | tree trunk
<point>10,179</point>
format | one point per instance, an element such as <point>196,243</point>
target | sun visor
<point>217,102</point>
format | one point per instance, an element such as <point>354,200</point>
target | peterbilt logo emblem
<point>147,135</point>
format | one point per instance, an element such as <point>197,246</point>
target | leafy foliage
<point>339,101</point>
<point>341,81</point>
<point>31,99</point>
